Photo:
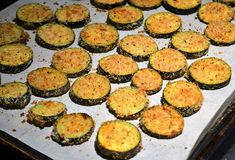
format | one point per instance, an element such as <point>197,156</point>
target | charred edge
<point>107,6</point>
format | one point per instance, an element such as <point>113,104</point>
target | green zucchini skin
<point>232,3</point>
<point>31,25</point>
<point>71,141</point>
<point>15,69</point>
<point>87,102</point>
<point>180,11</point>
<point>96,49</point>
<point>149,92</point>
<point>190,55</point>
<point>168,35</point>
<point>114,78</point>
<point>215,43</point>
<point>171,75</point>
<point>128,26</point>
<point>184,111</point>
<point>16,103</point>
<point>51,93</point>
<point>145,8</point>
<point>107,6</point>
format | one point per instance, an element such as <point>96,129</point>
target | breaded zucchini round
<point>54,36</point>
<point>147,80</point>
<point>107,4</point>
<point>170,63</point>
<point>125,17</point>
<point>90,89</point>
<point>33,15</point>
<point>228,2</point>
<point>183,7</point>
<point>14,95</point>
<point>15,58</point>
<point>48,82</point>
<point>45,113</point>
<point>145,4</point>
<point>210,73</point>
<point>117,68</point>
<point>221,33</point>
<point>162,121</point>
<point>72,129</point>
<point>138,46</point>
<point>12,33</point>
<point>127,102</point>
<point>162,24</point>
<point>192,44</point>
<point>215,11</point>
<point>118,139</point>
<point>98,37</point>
<point>73,62</point>
<point>74,15</point>
<point>185,97</point>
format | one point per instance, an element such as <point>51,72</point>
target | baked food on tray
<point>108,4</point>
<point>146,4</point>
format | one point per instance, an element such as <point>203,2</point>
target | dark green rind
<point>107,154</point>
<point>189,55</point>
<point>114,78</point>
<point>145,8</point>
<point>137,58</point>
<point>156,35</point>
<point>43,121</point>
<point>31,25</point>
<point>232,4</point>
<point>78,24</point>
<point>148,92</point>
<point>180,11</point>
<point>107,6</point>
<point>71,141</point>
<point>126,117</point>
<point>184,111</point>
<point>126,26</point>
<point>87,102</point>
<point>207,86</point>
<point>96,49</point>
<point>80,73</point>
<point>16,103</point>
<point>156,135</point>
<point>15,69</point>
<point>42,43</point>
<point>170,75</point>
<point>50,93</point>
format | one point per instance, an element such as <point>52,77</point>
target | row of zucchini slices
<point>180,98</point>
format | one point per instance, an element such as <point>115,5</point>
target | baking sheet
<point>14,121</point>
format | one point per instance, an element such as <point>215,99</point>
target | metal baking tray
<point>197,126</point>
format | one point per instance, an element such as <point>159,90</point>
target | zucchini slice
<point>221,33</point>
<point>162,24</point>
<point>147,80</point>
<point>183,7</point>
<point>125,17</point>
<point>162,121</point>
<point>74,15</point>
<point>127,102</point>
<point>118,139</point>
<point>45,113</point>
<point>161,61</point>
<point>48,82</point>
<point>146,4</point>
<point>117,68</point>
<point>90,89</point>
<point>72,129</point>
<point>185,97</point>
<point>228,2</point>
<point>215,11</point>
<point>15,58</point>
<point>192,44</point>
<point>54,36</point>
<point>12,33</point>
<point>107,4</point>
<point>73,62</point>
<point>32,15</point>
<point>98,37</point>
<point>14,95</point>
<point>138,46</point>
<point>210,73</point>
